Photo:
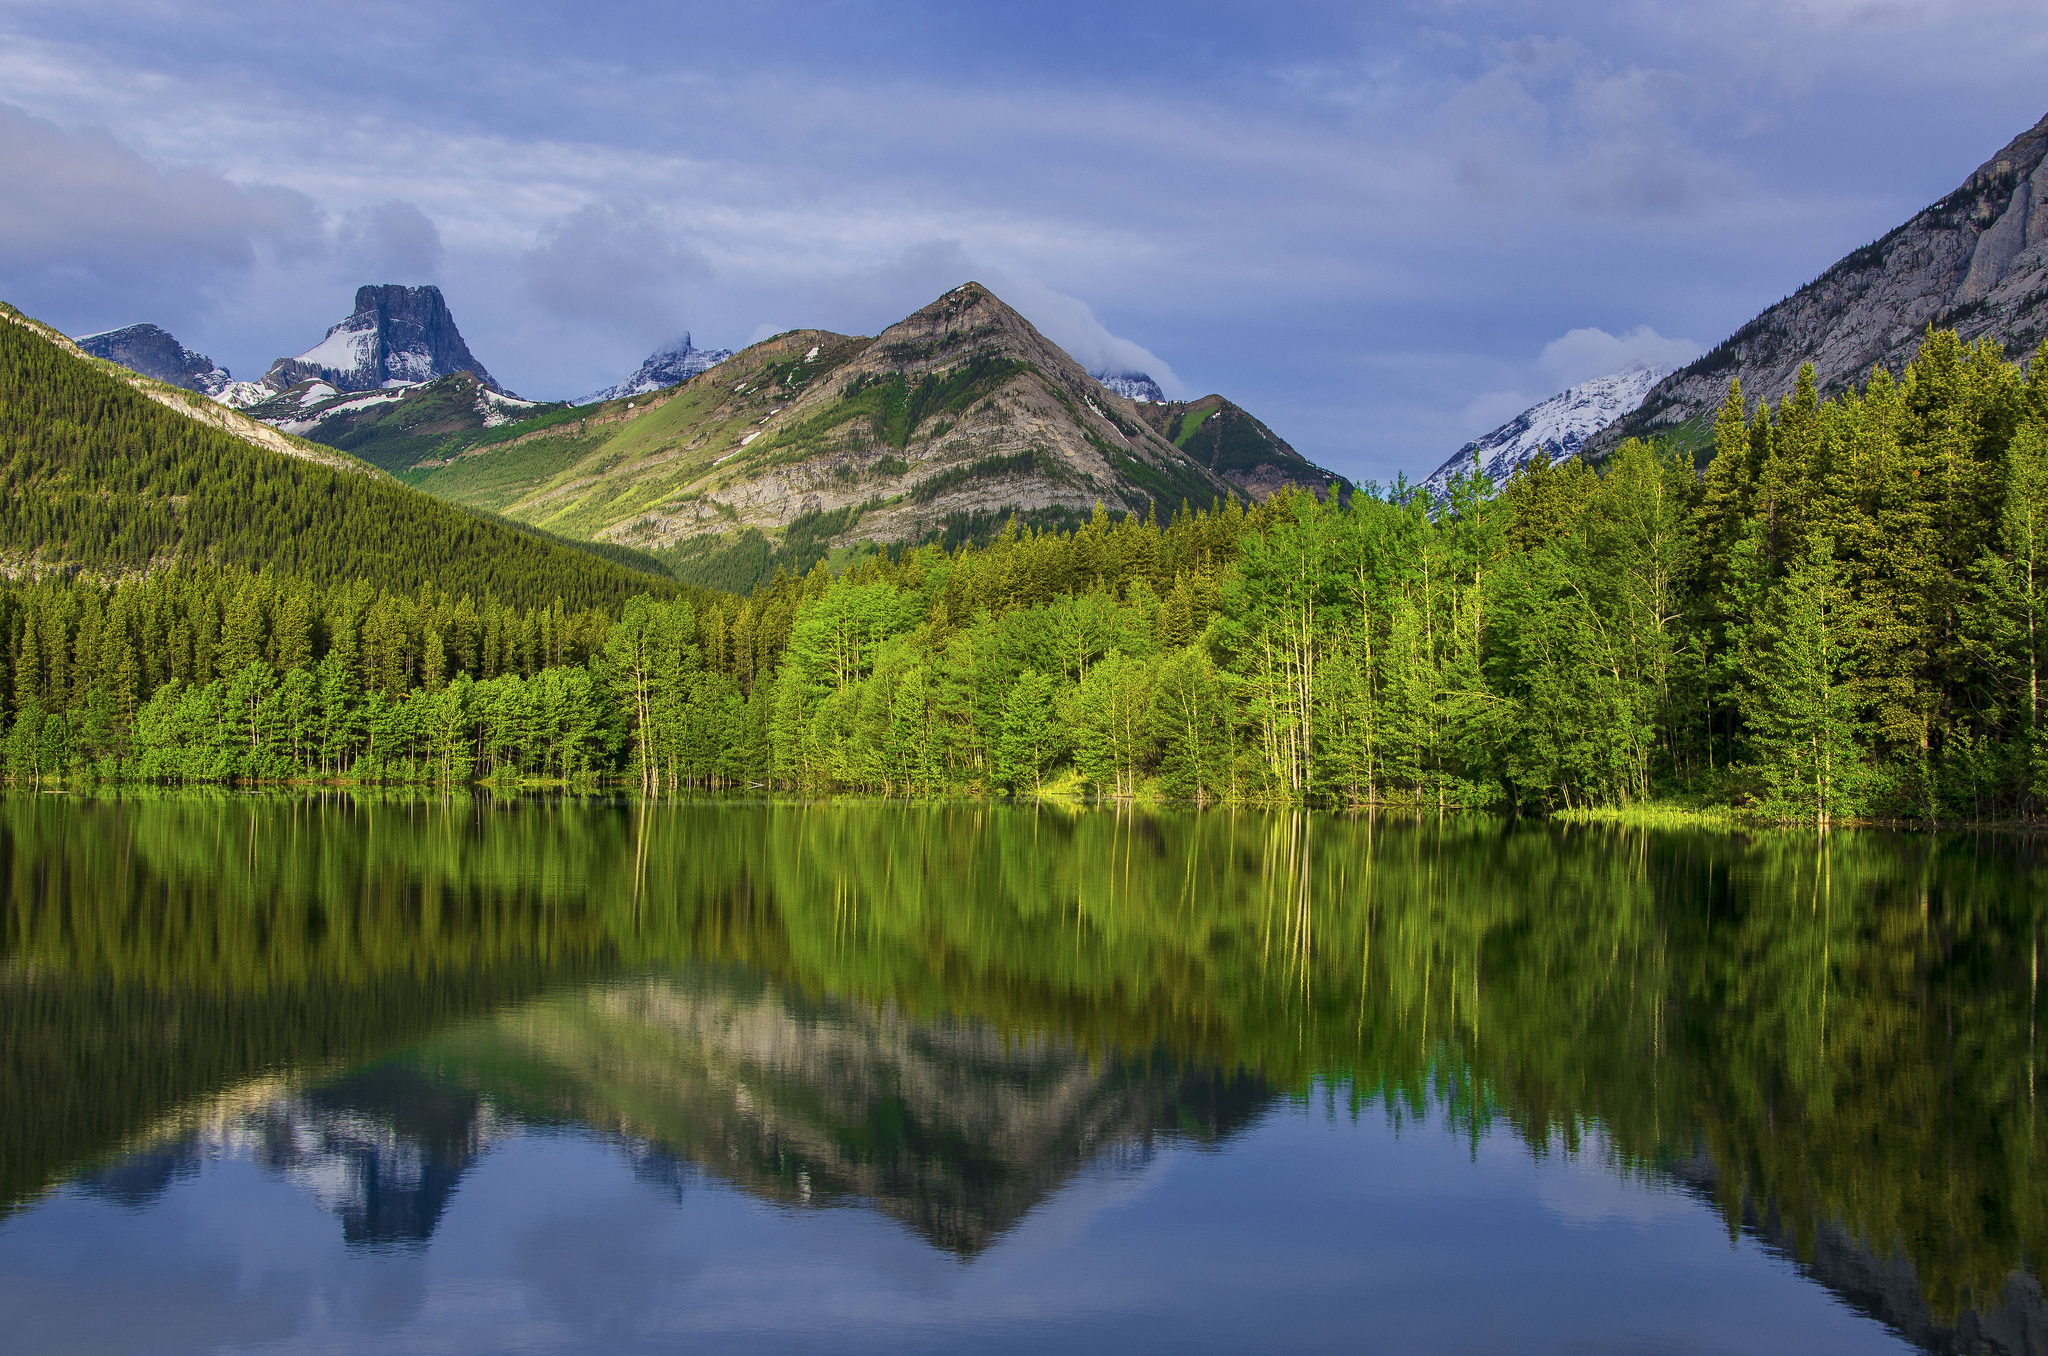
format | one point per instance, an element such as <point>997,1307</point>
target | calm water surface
<point>387,1076</point>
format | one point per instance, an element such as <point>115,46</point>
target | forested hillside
<point>102,479</point>
<point>1844,616</point>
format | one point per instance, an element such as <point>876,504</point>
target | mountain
<point>154,353</point>
<point>115,473</point>
<point>1559,427</point>
<point>664,367</point>
<point>1234,447</point>
<point>395,336</point>
<point>961,413</point>
<point>1975,262</point>
<point>1137,386</point>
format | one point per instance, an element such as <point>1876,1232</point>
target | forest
<point>1840,616</point>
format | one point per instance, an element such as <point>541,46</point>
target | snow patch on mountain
<point>664,368</point>
<point>1131,385</point>
<point>349,351</point>
<point>241,395</point>
<point>498,410</point>
<point>1558,426</point>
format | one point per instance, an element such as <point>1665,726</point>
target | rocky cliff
<point>1975,262</point>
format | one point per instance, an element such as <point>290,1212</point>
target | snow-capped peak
<point>1558,426</point>
<point>664,368</point>
<point>1131,385</point>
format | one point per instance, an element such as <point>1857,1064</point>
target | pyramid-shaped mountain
<point>396,335</point>
<point>961,412</point>
<point>1975,262</point>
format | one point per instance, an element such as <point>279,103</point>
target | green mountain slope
<point>1230,444</point>
<point>101,475</point>
<point>963,411</point>
<point>394,429</point>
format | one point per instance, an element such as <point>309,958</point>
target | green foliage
<point>99,476</point>
<point>1843,617</point>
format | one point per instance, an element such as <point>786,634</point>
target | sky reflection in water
<point>599,1077</point>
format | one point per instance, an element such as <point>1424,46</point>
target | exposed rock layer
<point>1975,262</point>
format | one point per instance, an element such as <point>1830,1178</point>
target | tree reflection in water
<point>944,1012</point>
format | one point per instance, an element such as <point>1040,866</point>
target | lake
<point>312,1074</point>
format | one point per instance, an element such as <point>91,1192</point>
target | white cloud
<point>1582,354</point>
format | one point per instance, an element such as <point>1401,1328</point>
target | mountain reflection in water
<point>947,1127</point>
<point>945,1016</point>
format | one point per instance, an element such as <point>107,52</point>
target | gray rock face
<point>153,352</point>
<point>396,336</point>
<point>1975,262</point>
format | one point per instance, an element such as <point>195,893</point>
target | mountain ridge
<point>961,410</point>
<point>1975,261</point>
<point>1558,427</point>
<point>155,352</point>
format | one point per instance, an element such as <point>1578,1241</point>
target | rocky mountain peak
<point>1138,386</point>
<point>666,366</point>
<point>155,353</point>
<point>396,335</point>
<point>1558,427</point>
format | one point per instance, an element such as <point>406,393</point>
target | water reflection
<point>949,1015</point>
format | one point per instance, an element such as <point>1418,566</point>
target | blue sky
<point>1382,228</point>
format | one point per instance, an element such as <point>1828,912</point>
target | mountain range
<point>964,413</point>
<point>961,414</point>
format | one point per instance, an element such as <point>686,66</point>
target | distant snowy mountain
<point>1131,385</point>
<point>396,336</point>
<point>153,352</point>
<point>664,368</point>
<point>1559,426</point>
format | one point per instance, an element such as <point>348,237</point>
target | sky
<point>1382,228</point>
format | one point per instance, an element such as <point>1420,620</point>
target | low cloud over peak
<point>1582,354</point>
